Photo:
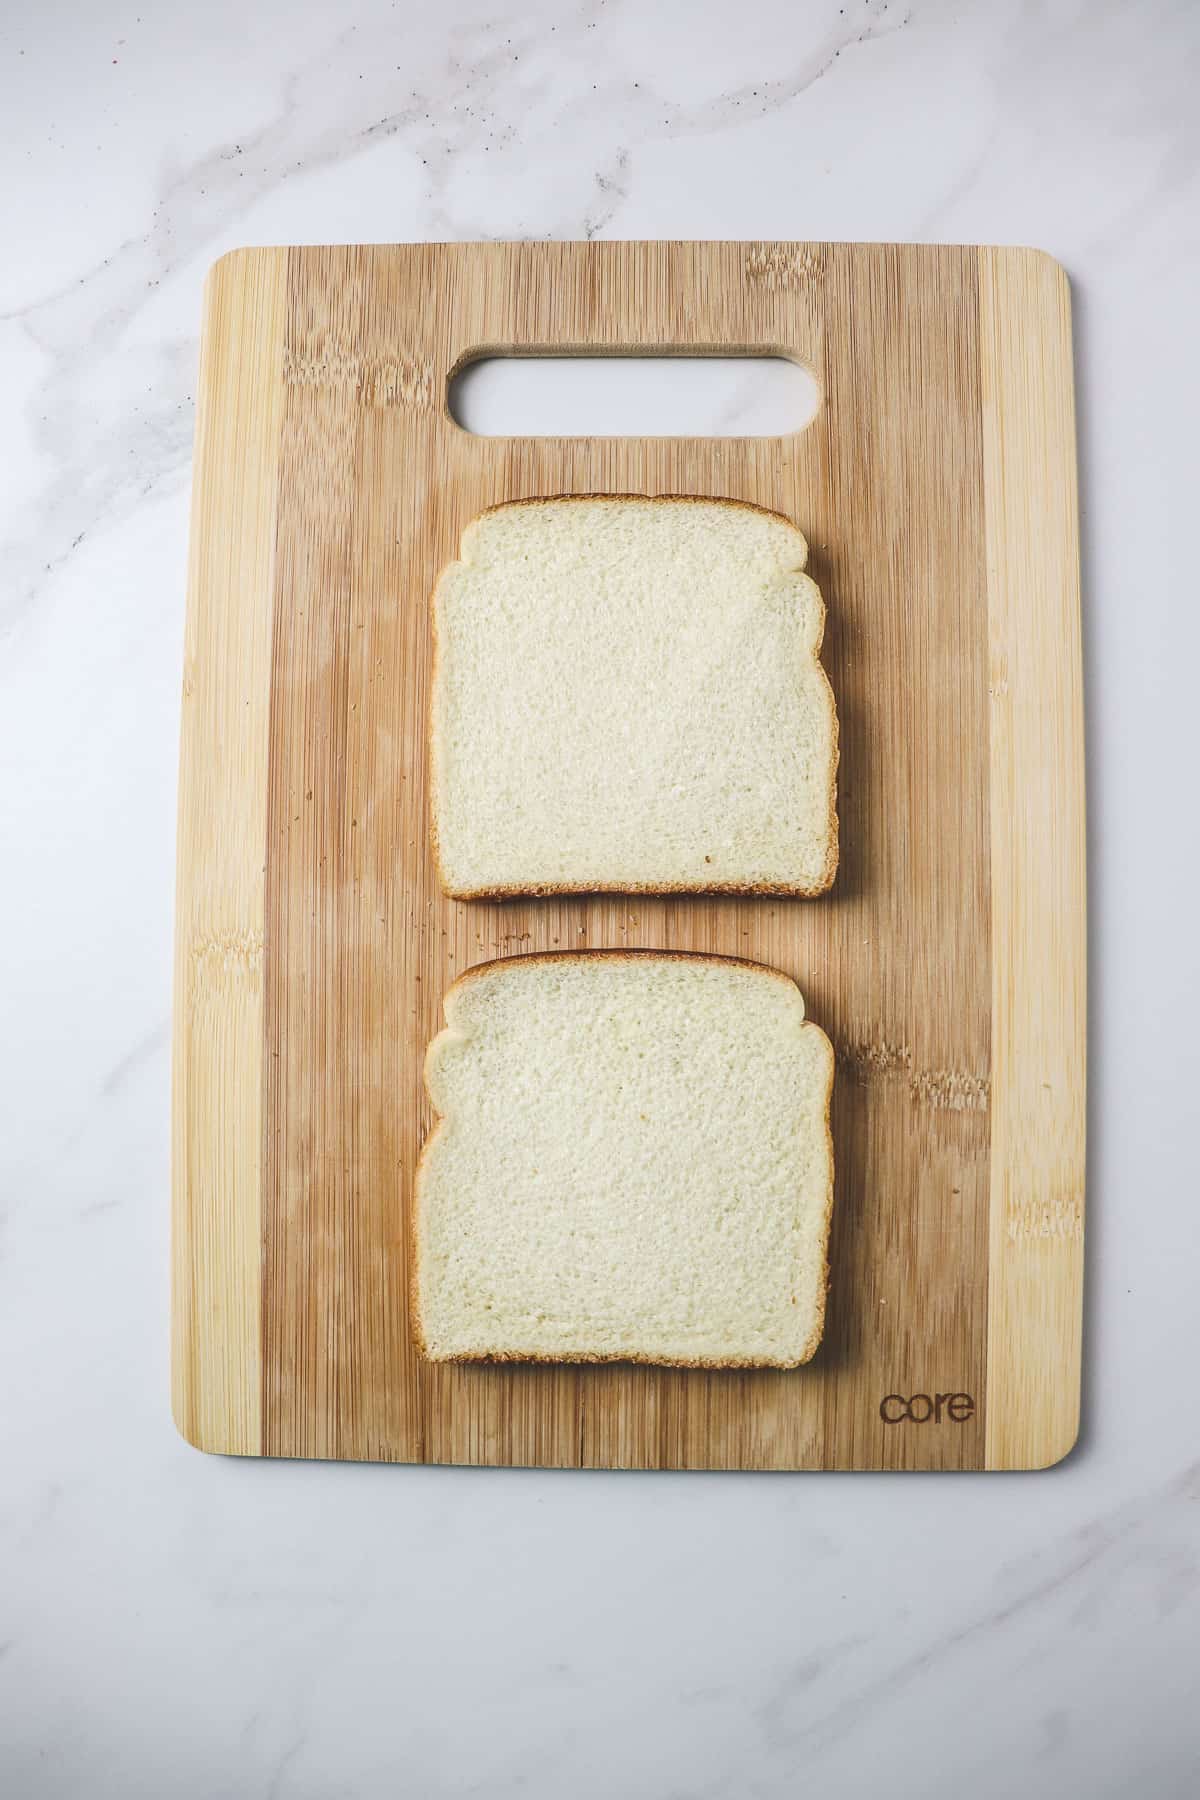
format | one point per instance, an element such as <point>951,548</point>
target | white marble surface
<point>175,1625</point>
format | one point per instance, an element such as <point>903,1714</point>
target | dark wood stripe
<point>911,982</point>
<point>308,1223</point>
<point>375,489</point>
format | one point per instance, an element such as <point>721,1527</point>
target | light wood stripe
<point>1038,862</point>
<point>218,1028</point>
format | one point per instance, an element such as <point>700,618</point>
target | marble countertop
<point>177,1625</point>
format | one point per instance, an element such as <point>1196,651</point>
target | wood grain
<point>899,483</point>
<point>218,1032</point>
<point>1039,855</point>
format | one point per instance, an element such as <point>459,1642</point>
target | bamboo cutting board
<point>936,487</point>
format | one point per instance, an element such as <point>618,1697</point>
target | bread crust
<point>733,890</point>
<point>808,1349</point>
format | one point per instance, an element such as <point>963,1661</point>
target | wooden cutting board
<point>936,486</point>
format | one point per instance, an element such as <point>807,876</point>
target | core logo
<point>919,1409</point>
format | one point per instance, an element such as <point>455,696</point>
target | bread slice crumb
<point>628,697</point>
<point>632,1162</point>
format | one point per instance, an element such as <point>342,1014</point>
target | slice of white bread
<point>633,1162</point>
<point>627,697</point>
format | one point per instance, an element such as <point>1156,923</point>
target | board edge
<point>1038,843</point>
<point>217,1028</point>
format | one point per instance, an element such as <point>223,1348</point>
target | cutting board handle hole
<point>617,395</point>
